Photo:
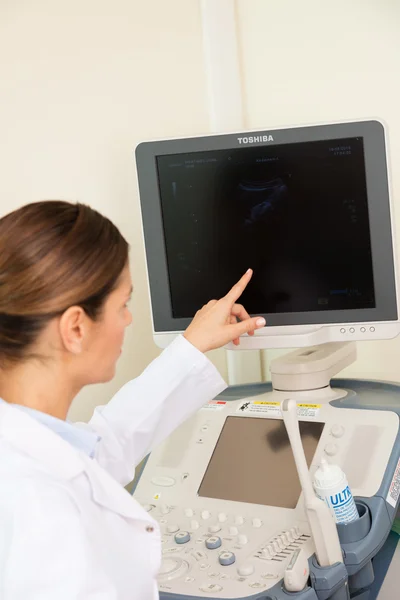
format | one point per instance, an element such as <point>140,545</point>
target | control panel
<point>225,492</point>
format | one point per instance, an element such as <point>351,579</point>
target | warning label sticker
<point>273,409</point>
<point>308,410</point>
<point>394,490</point>
<point>214,405</point>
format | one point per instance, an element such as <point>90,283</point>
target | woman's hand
<point>216,323</point>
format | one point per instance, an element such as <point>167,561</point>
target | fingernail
<point>260,322</point>
<point>248,271</point>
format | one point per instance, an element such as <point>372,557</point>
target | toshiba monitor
<point>307,208</point>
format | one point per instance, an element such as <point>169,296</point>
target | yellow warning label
<point>267,403</point>
<point>272,409</point>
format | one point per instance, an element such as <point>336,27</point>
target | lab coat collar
<point>39,442</point>
<point>63,461</point>
<point>82,438</point>
<point>110,494</point>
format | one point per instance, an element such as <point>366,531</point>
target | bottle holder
<point>350,533</point>
<point>355,530</point>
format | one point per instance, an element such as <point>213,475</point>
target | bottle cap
<point>327,475</point>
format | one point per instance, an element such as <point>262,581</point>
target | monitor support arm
<point>311,369</point>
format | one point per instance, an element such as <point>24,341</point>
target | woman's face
<point>104,344</point>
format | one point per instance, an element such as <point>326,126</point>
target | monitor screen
<point>307,208</point>
<point>261,468</point>
<point>297,214</point>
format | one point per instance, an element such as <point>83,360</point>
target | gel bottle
<point>330,484</point>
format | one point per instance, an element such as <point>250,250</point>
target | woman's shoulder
<point>23,480</point>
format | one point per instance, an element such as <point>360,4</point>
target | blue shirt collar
<point>81,438</point>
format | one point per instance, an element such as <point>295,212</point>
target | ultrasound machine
<point>308,209</point>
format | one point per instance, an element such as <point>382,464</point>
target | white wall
<point>315,61</point>
<point>81,83</point>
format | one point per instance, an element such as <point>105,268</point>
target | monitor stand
<point>305,374</point>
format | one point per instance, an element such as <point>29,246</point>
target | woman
<point>68,529</point>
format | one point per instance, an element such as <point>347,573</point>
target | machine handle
<point>322,526</point>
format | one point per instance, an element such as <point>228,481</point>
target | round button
<point>213,542</point>
<point>214,528</point>
<point>165,509</point>
<point>342,330</point>
<point>171,550</point>
<point>168,565</point>
<point>352,330</point>
<point>172,528</point>
<point>194,525</point>
<point>257,523</point>
<point>363,330</point>
<point>213,575</point>
<point>172,568</point>
<point>242,539</point>
<point>372,329</point>
<point>233,530</point>
<point>226,558</point>
<point>182,537</point>
<point>189,512</point>
<point>205,514</point>
<point>245,569</point>
<point>210,588</point>
<point>222,517</point>
<point>199,555</point>
<point>239,520</point>
<point>337,431</point>
<point>331,449</point>
<point>163,481</point>
<point>257,585</point>
<point>204,566</point>
<point>269,576</point>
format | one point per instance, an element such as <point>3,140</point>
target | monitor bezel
<point>379,207</point>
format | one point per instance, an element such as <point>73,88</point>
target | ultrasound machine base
<point>203,534</point>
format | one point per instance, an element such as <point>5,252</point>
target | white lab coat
<point>68,529</point>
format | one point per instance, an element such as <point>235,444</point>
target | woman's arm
<point>173,387</point>
<point>147,409</point>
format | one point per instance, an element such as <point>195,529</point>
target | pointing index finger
<point>239,287</point>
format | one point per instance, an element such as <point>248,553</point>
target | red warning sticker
<point>215,405</point>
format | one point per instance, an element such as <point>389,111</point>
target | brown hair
<point>53,255</point>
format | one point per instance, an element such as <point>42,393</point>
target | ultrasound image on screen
<point>297,214</point>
